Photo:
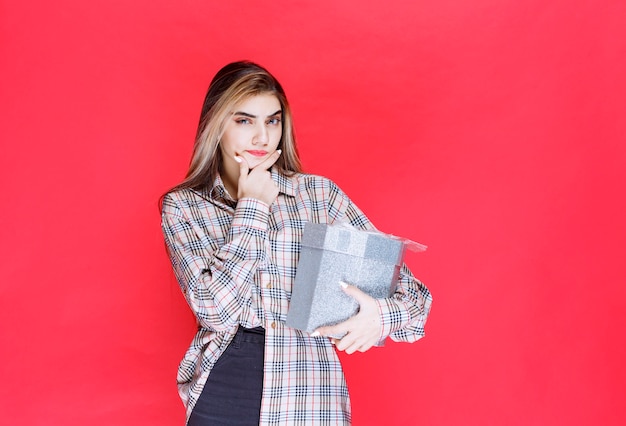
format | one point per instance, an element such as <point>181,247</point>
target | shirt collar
<point>218,190</point>
<point>286,184</point>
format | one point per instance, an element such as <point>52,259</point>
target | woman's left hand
<point>362,331</point>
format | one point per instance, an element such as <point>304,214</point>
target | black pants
<point>232,393</point>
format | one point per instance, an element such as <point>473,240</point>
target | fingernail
<point>237,158</point>
<point>315,334</point>
<point>343,284</point>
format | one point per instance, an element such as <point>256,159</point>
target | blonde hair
<point>232,84</point>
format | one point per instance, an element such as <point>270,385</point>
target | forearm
<point>404,314</point>
<point>217,279</point>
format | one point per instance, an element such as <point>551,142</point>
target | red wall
<point>491,131</point>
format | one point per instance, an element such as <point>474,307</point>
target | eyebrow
<point>245,114</point>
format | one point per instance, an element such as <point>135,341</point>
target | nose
<point>261,136</point>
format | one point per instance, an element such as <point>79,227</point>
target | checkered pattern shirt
<point>236,262</point>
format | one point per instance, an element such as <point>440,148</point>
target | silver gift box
<point>368,260</point>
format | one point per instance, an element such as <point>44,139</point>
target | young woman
<point>233,229</point>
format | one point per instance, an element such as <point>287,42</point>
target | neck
<point>230,186</point>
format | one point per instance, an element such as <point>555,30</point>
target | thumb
<point>354,292</point>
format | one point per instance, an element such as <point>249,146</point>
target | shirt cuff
<point>250,214</point>
<point>392,316</point>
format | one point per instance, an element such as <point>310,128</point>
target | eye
<point>242,121</point>
<point>274,121</point>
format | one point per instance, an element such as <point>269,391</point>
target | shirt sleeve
<point>216,281</point>
<point>404,314</point>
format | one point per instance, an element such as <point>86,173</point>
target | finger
<point>353,345</point>
<point>334,330</point>
<point>327,331</point>
<point>366,347</point>
<point>346,342</point>
<point>351,349</point>
<point>269,161</point>
<point>243,166</point>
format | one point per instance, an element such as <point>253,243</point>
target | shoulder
<point>321,190</point>
<point>173,198</point>
<point>179,200</point>
<point>312,182</point>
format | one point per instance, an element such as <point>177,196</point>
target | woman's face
<point>252,131</point>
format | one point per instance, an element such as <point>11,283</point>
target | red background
<point>492,131</point>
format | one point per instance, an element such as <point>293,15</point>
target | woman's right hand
<point>257,182</point>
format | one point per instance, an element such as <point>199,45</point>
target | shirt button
<point>268,286</point>
<point>273,325</point>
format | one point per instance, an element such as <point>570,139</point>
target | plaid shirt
<point>236,263</point>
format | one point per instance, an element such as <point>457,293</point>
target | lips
<point>257,153</point>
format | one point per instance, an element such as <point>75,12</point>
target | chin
<point>253,161</point>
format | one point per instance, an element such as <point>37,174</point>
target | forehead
<point>263,104</point>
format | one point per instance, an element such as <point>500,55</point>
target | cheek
<point>228,142</point>
<point>223,145</point>
<point>276,135</point>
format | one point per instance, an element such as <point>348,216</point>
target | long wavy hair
<point>232,84</point>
